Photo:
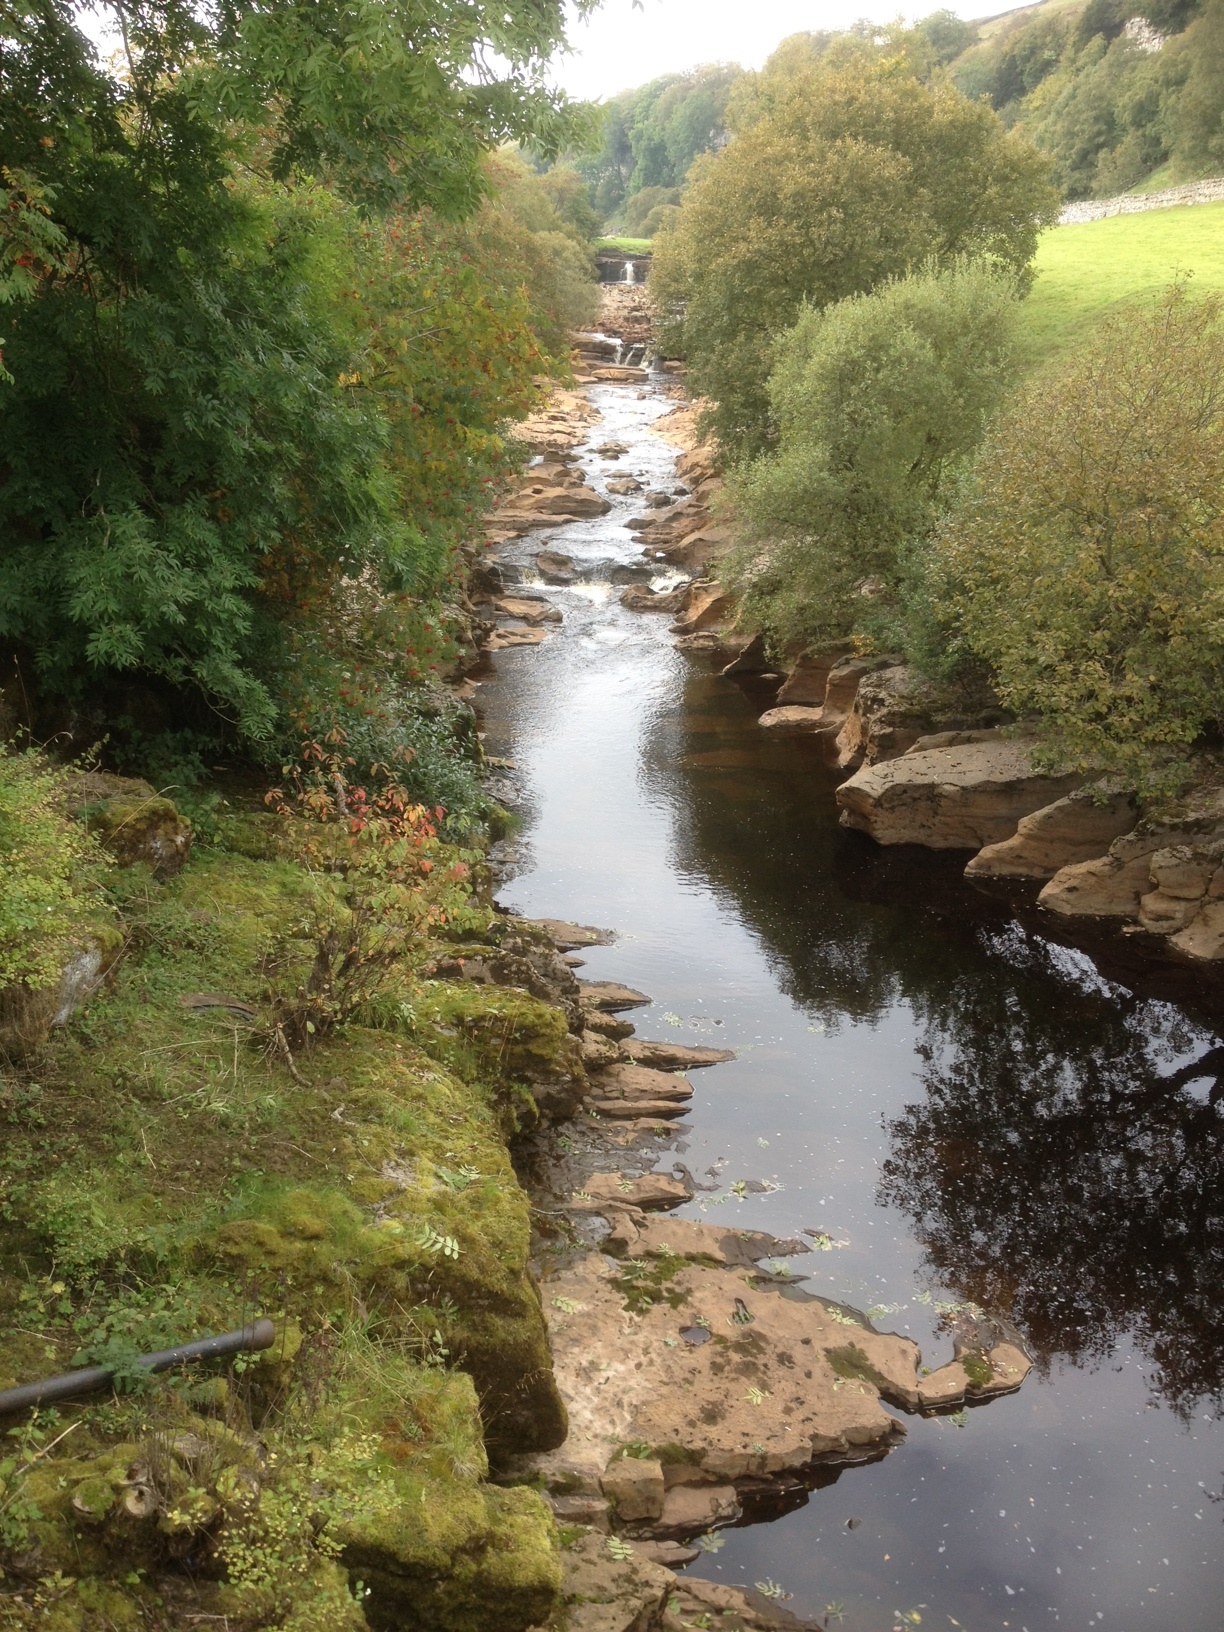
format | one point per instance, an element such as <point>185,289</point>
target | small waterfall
<point>630,273</point>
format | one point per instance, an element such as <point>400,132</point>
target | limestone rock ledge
<point>711,1372</point>
<point>950,798</point>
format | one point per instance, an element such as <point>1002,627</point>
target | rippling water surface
<point>972,1113</point>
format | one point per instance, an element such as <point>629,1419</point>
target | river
<point>971,1111</point>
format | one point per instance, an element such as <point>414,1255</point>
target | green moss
<point>977,1368</point>
<point>853,1365</point>
<point>166,1174</point>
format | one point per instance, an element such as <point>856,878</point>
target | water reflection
<point>1064,1167</point>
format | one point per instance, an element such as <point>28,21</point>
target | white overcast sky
<point>622,46</point>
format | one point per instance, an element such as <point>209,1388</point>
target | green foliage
<point>878,399</point>
<point>50,871</point>
<point>651,136</point>
<point>1098,511</point>
<point>234,386</point>
<point>840,176</point>
<point>1108,99</point>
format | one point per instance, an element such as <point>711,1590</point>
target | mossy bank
<point>223,1132</point>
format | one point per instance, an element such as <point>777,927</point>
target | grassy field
<point>627,246</point>
<point>1084,271</point>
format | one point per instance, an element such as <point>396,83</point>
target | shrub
<point>1086,564</point>
<point>878,400</point>
<point>840,176</point>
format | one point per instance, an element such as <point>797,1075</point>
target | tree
<point>878,399</point>
<point>192,443</point>
<point>838,177</point>
<point>1086,563</point>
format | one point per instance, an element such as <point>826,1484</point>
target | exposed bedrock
<point>954,798</point>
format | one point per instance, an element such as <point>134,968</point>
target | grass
<point>1085,271</point>
<point>626,246</point>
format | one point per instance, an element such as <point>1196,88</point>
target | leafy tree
<point>878,400</point>
<point>1086,564</point>
<point>1196,119</point>
<point>651,135</point>
<point>194,444</point>
<point>845,176</point>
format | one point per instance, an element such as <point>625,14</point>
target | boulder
<point>501,638</point>
<point>845,677</point>
<point>641,598</point>
<point>752,660</point>
<point>622,486</point>
<point>133,821</point>
<point>707,605</point>
<point>894,706</point>
<point>554,567</point>
<point>950,798</point>
<point>1203,938</point>
<point>1076,828</point>
<point>567,937</point>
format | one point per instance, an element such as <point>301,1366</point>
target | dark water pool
<point>970,1111</point>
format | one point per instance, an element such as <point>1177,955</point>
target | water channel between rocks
<point>970,1111</point>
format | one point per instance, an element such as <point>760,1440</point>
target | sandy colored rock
<point>622,486</point>
<point>1203,937</point>
<point>807,680</point>
<point>845,677</point>
<point>634,1486</point>
<point>639,1082</point>
<point>641,598</point>
<point>651,1190</point>
<point>598,1051</point>
<point>607,1025</point>
<point>499,640</point>
<point>707,606</point>
<point>554,567</point>
<point>794,717</point>
<point>950,798</point>
<point>530,608</point>
<point>567,937</point>
<point>1073,829</point>
<point>672,1056</point>
<point>607,1594</point>
<point>764,1398</point>
<point>610,996</point>
<point>752,660</point>
<point>688,1510</point>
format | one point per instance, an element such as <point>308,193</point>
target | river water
<point>971,1112</point>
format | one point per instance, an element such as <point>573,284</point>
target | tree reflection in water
<point>1065,1166</point>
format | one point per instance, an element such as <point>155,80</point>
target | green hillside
<point>1085,270</point>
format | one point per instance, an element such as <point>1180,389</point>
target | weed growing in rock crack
<point>567,1306</point>
<point>620,1550</point>
<point>710,1542</point>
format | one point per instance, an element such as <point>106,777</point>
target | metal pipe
<point>260,1334</point>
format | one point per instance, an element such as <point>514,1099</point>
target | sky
<point>624,45</point>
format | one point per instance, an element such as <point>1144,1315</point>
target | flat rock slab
<point>501,639</point>
<point>555,568</point>
<point>950,798</point>
<point>610,996</point>
<point>651,1190</point>
<point>567,937</point>
<point>725,1378</point>
<point>672,1056</point>
<point>530,608</point>
<point>796,717</point>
